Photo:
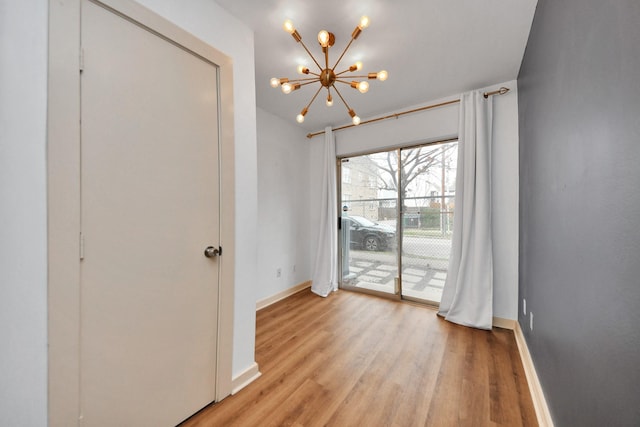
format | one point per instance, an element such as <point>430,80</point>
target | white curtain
<point>467,298</point>
<point>325,272</point>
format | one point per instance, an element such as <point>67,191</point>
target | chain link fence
<point>427,224</point>
<point>427,230</point>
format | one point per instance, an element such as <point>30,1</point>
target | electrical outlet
<point>524,306</point>
<point>531,320</point>
<point>279,272</point>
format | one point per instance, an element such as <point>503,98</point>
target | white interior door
<point>150,207</point>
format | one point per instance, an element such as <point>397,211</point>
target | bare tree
<point>415,162</point>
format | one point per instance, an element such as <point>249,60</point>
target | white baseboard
<point>539,402</point>
<point>282,295</point>
<point>244,379</point>
<point>499,322</point>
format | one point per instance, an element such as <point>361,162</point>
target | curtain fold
<point>325,272</point>
<point>467,297</point>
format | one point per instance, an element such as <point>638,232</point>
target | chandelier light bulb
<point>363,87</point>
<point>302,69</point>
<point>274,82</point>
<point>286,88</point>
<point>358,65</point>
<point>323,38</point>
<point>288,26</point>
<point>355,120</point>
<point>329,101</point>
<point>364,22</point>
<point>382,75</point>
<point>300,117</point>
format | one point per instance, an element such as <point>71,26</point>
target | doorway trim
<point>63,198</point>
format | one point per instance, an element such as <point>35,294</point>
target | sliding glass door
<point>369,226</point>
<point>428,193</point>
<point>397,219</point>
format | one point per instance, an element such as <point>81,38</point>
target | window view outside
<point>424,180</point>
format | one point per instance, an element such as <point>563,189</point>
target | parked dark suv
<point>368,235</point>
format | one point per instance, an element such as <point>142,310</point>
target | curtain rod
<point>500,91</point>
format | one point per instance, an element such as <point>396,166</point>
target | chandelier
<point>326,76</point>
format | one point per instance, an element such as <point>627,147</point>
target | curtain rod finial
<point>500,91</point>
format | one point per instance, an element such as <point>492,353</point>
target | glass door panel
<point>369,255</point>
<point>428,178</point>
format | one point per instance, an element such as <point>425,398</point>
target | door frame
<point>63,198</point>
<point>397,295</point>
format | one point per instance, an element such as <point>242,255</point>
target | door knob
<point>211,252</point>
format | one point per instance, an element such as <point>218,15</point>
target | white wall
<point>442,123</point>
<point>23,233</point>
<point>283,205</point>
<point>214,25</point>
<point>430,125</point>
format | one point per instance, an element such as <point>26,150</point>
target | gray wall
<point>579,113</point>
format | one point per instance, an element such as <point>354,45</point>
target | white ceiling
<point>431,49</point>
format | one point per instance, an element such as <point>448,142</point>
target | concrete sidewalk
<point>377,271</point>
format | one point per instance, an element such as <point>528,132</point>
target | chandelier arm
<point>308,83</point>
<point>342,72</point>
<point>315,79</point>
<point>344,82</point>
<point>329,98</point>
<point>343,52</point>
<point>326,57</point>
<point>340,95</point>
<point>314,98</point>
<point>314,59</point>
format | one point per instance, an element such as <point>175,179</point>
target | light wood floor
<point>357,360</point>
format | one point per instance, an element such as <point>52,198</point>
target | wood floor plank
<point>371,395</point>
<point>356,360</point>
